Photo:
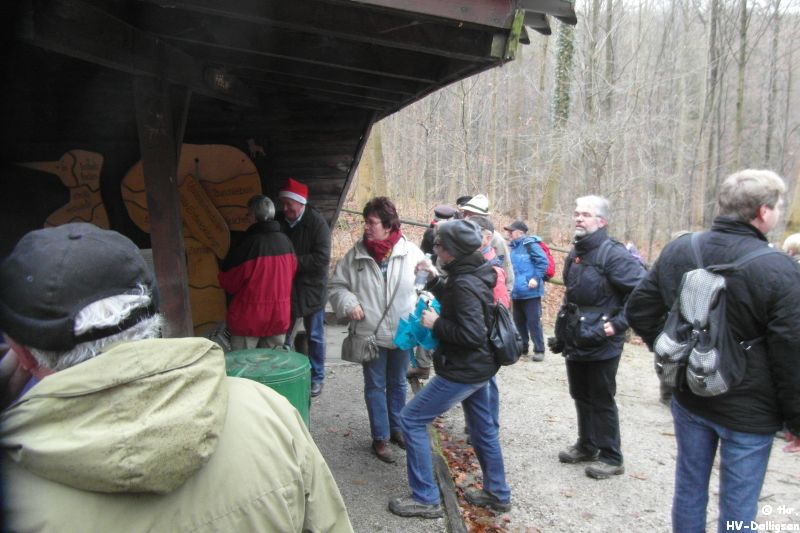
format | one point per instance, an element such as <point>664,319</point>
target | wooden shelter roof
<point>296,83</point>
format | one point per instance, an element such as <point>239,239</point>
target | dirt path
<point>538,420</point>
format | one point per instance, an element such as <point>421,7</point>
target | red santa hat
<point>295,191</point>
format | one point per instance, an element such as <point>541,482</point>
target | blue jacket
<point>527,266</point>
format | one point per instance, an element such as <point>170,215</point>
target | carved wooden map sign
<point>215,182</point>
<point>79,171</point>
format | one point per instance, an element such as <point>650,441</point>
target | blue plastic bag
<point>411,332</point>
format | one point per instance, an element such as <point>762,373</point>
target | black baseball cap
<point>53,273</point>
<point>517,224</point>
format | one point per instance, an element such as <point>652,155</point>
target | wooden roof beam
<point>255,76</point>
<point>232,53</point>
<point>284,68</point>
<point>344,21</point>
<point>77,29</point>
<point>563,10</point>
<point>497,14</point>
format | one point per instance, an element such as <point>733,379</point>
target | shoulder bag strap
<point>391,300</point>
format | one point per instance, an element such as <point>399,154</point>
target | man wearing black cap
<point>125,430</point>
<point>464,365</point>
<point>530,264</point>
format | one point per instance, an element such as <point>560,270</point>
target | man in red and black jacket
<point>259,273</point>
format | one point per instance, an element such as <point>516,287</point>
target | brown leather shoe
<point>419,373</point>
<point>382,450</point>
<point>398,438</point>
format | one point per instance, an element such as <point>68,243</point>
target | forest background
<point>650,103</point>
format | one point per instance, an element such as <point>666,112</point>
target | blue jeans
<point>315,328</point>
<point>742,466</point>
<point>494,403</point>
<point>435,398</point>
<point>385,391</point>
<point>528,319</point>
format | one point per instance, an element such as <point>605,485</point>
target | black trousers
<point>593,385</point>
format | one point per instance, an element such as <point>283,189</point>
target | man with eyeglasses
<point>599,275</point>
<point>311,238</point>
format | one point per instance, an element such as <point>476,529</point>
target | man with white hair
<point>258,272</point>
<point>123,430</point>
<point>599,275</point>
<point>762,313</point>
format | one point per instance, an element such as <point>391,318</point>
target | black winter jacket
<point>463,354</point>
<point>311,238</point>
<point>600,290</point>
<point>762,301</point>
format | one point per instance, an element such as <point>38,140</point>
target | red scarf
<point>381,250</point>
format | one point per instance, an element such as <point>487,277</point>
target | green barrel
<point>287,373</point>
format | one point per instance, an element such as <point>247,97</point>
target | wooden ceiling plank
<point>318,89</point>
<point>82,31</point>
<point>401,30</point>
<point>497,13</point>
<point>260,78</point>
<point>332,75</point>
<point>353,60</point>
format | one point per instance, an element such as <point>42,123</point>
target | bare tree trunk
<point>371,177</point>
<point>565,47</point>
<point>787,107</point>
<point>706,189</point>
<point>741,64</point>
<point>772,94</point>
<point>591,60</point>
<point>609,44</point>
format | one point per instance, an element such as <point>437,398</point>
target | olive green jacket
<point>151,436</point>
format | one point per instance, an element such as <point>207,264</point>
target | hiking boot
<point>381,449</point>
<point>408,506</point>
<point>537,357</point>
<point>419,373</point>
<point>398,438</point>
<point>575,454</point>
<point>601,470</point>
<point>481,498</point>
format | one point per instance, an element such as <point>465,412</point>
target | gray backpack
<point>696,346</point>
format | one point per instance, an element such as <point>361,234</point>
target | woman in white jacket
<point>373,286</point>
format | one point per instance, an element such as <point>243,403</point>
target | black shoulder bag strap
<point>698,257</point>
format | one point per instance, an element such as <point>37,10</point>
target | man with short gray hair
<point>761,311</point>
<point>258,273</point>
<point>599,275</point>
<point>125,431</point>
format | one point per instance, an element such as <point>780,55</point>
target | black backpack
<point>505,342</point>
<point>696,346</point>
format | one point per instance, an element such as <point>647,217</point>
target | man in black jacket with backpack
<point>599,274</point>
<point>762,308</point>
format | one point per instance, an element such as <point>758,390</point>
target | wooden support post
<point>160,162</point>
